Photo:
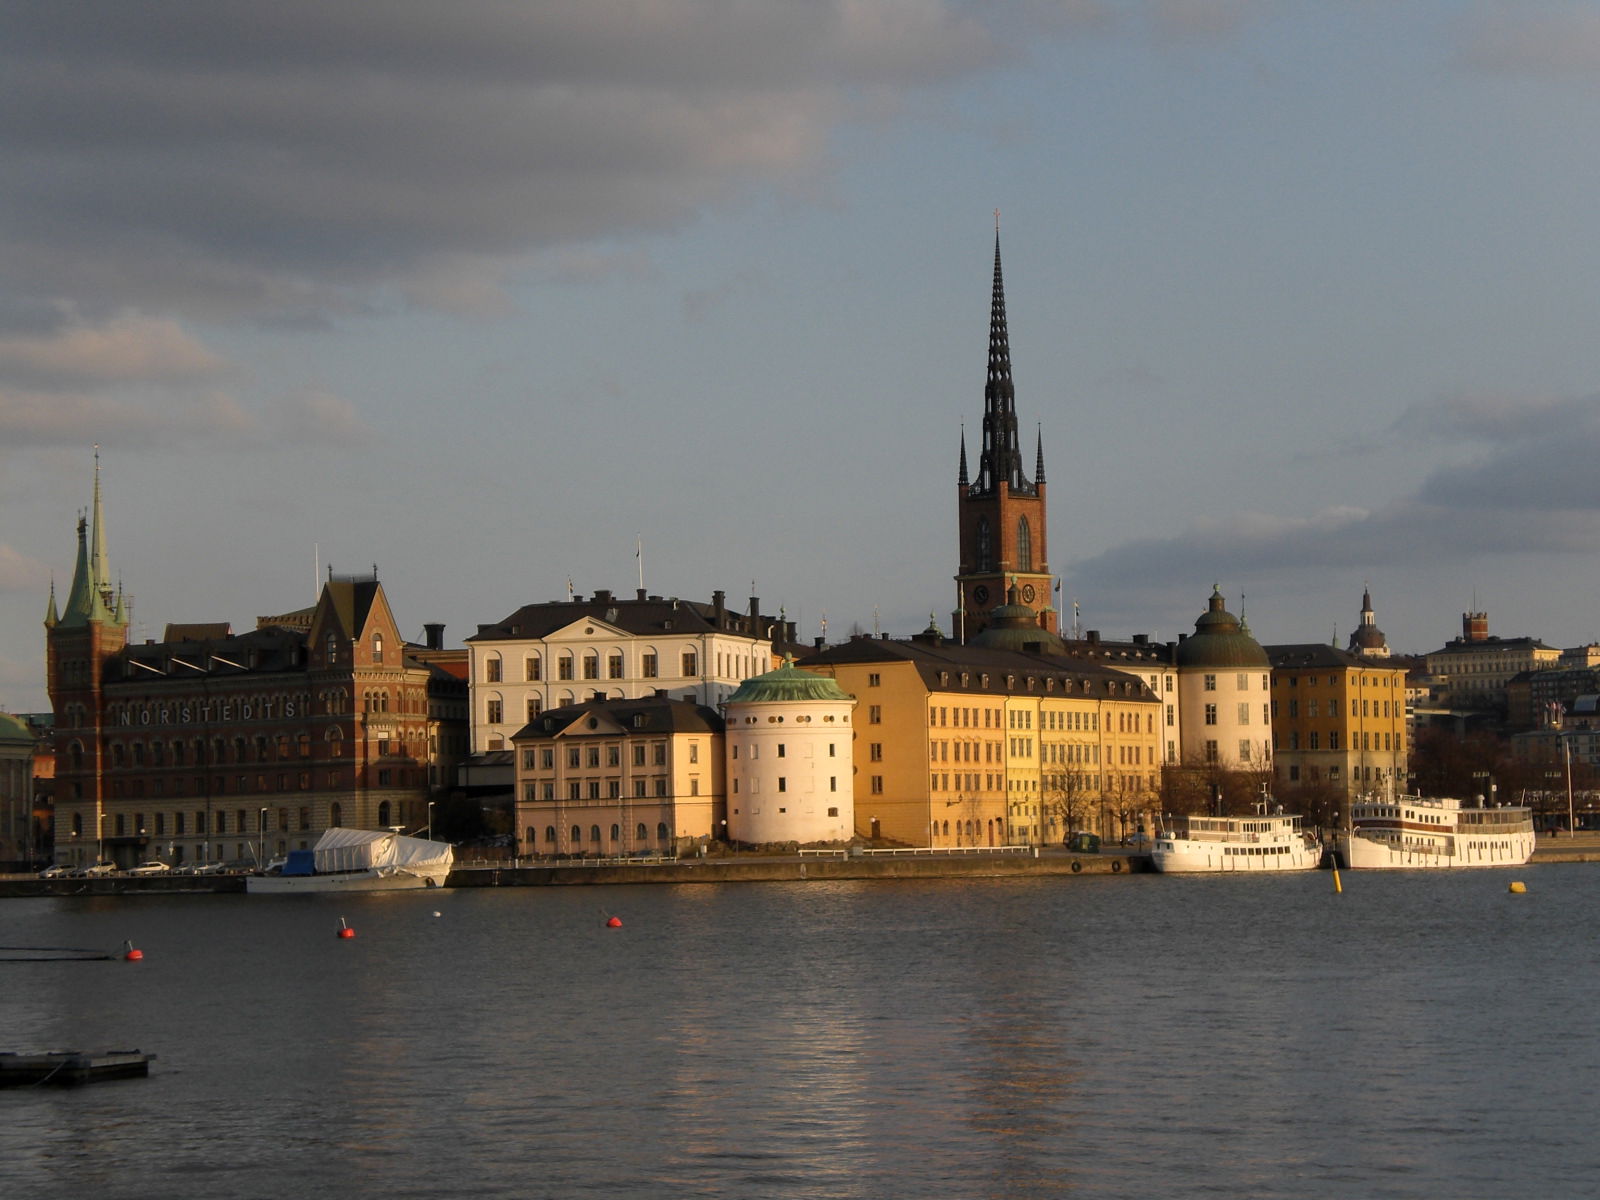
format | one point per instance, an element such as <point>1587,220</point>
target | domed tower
<point>1001,512</point>
<point>789,761</point>
<point>1224,693</point>
<point>1368,640</point>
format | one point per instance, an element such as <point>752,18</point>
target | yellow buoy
<point>1338,887</point>
<point>1517,887</point>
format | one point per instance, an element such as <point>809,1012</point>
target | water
<point>1420,1035</point>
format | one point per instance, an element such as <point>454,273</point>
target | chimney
<point>755,610</point>
<point>718,603</point>
<point>433,633</point>
<point>639,595</point>
<point>603,596</point>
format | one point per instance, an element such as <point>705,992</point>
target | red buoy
<point>344,930</point>
<point>133,954</point>
<point>614,923</point>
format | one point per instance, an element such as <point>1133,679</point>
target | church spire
<point>89,600</point>
<point>1001,460</point>
<point>1038,468</point>
<point>962,478</point>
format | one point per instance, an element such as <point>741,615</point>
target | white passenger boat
<point>1255,843</point>
<point>1408,831</point>
<point>359,860</point>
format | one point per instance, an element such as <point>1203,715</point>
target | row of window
<point>587,666</point>
<point>1241,682</point>
<point>1371,741</point>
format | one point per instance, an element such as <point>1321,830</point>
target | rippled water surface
<point>1420,1035</point>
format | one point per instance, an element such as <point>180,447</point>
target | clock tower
<point>1001,511</point>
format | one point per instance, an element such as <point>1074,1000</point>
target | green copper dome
<point>1015,626</point>
<point>1220,640</point>
<point>788,682</point>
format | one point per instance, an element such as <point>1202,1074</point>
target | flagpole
<point>638,553</point>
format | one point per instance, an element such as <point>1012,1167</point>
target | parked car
<point>154,867</point>
<point>215,868</point>
<point>57,871</point>
<point>93,869</point>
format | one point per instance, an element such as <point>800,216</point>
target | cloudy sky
<point>1302,296</point>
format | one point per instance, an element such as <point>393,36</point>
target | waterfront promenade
<point>1010,862</point>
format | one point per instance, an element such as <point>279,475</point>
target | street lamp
<point>1566,752</point>
<point>430,820</point>
<point>261,835</point>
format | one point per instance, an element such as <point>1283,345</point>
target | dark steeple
<point>962,480</point>
<point>1001,460</point>
<point>1038,468</point>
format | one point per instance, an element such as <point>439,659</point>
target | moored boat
<point>359,860</point>
<point>1262,842</point>
<point>1411,832</point>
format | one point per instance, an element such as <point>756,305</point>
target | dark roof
<point>198,631</point>
<point>272,649</point>
<point>1319,655</point>
<point>1478,645</point>
<point>1220,640</point>
<point>652,614</point>
<point>941,665</point>
<point>651,714</point>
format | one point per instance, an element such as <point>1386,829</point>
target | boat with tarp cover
<point>359,860</point>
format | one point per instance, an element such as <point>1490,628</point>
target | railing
<point>909,851</point>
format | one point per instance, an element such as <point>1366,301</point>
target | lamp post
<point>1566,752</point>
<point>261,835</point>
<point>100,838</point>
<point>430,821</point>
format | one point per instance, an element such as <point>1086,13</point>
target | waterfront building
<point>1225,693</point>
<point>790,759</point>
<point>210,745</point>
<point>1001,511</point>
<point>617,777</point>
<point>561,653</point>
<point>1472,671</point>
<point>972,745</point>
<point>1338,720</point>
<point>19,743</point>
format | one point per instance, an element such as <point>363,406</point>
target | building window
<point>491,670</point>
<point>1244,714</point>
<point>874,679</point>
<point>591,665</point>
<point>377,647</point>
<point>1211,714</point>
<point>648,666</point>
<point>877,785</point>
<point>533,669</point>
<point>875,715</point>
<point>614,667</point>
<point>564,667</point>
<point>494,712</point>
<point>1211,751</point>
<point>533,708</point>
<point>1210,683</point>
<point>1244,751</point>
<point>1024,545</point>
<point>691,664</point>
<point>783,784</point>
<point>875,752</point>
<point>985,552</point>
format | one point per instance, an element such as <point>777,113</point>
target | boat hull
<point>344,881</point>
<point>1364,854</point>
<point>1184,856</point>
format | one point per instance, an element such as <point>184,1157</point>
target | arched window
<point>985,551</point>
<point>75,752</point>
<point>577,836</point>
<point>532,835</point>
<point>377,647</point>
<point>383,813</point>
<point>661,831</point>
<point>550,834</point>
<point>616,834</point>
<point>336,815</point>
<point>1024,545</point>
<point>641,833</point>
<point>594,834</point>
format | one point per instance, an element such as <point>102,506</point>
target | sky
<point>491,295</point>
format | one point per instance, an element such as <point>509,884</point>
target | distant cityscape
<point>610,725</point>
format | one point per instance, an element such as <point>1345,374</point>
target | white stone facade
<point>790,771</point>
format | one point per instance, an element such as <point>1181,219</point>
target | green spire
<point>89,601</point>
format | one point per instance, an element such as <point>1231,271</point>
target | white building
<point>561,653</point>
<point>789,762</point>
<point>1225,693</point>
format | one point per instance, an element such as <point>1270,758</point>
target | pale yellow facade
<point>989,750</point>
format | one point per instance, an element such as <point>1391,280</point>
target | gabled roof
<point>1321,656</point>
<point>635,617</point>
<point>651,714</point>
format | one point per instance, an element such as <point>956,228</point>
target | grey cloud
<point>1531,487</point>
<point>222,157</point>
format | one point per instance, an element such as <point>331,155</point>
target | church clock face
<point>981,594</point>
<point>1027,593</point>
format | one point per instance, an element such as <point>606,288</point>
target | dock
<point>68,1067</point>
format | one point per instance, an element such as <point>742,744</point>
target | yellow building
<point>615,777</point>
<point>971,746</point>
<point>1338,719</point>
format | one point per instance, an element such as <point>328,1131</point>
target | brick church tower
<point>1002,511</point>
<point>92,628</point>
